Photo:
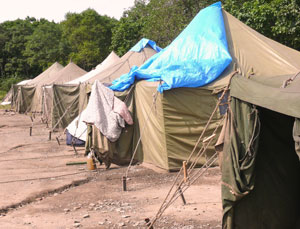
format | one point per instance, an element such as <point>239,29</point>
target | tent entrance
<point>275,201</point>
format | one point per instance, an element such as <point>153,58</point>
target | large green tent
<point>260,167</point>
<point>24,98</point>
<point>30,98</point>
<point>65,100</point>
<point>179,115</point>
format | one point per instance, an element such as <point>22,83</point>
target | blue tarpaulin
<point>195,58</point>
<point>143,43</point>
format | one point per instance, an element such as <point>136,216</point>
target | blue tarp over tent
<point>194,59</point>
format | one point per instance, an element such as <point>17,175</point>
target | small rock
<point>76,221</point>
<point>155,197</point>
<point>92,204</point>
<point>66,210</point>
<point>86,216</point>
<point>55,194</point>
<point>76,208</point>
<point>195,209</point>
<point>125,216</point>
<point>77,225</point>
<point>100,222</point>
<point>121,224</point>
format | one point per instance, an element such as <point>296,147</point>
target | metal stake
<point>181,195</point>
<point>124,183</point>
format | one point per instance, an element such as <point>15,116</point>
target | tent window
<point>224,103</point>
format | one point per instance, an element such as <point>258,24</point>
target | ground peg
<point>124,183</point>
<point>181,195</point>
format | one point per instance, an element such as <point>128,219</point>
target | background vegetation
<point>28,47</point>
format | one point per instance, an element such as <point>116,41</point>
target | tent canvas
<point>107,75</point>
<point>8,97</point>
<point>261,169</point>
<point>69,72</point>
<point>32,103</point>
<point>259,56</point>
<point>54,74</point>
<point>109,61</point>
<point>118,68</point>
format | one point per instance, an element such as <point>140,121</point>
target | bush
<point>5,84</point>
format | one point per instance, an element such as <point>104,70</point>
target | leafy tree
<point>15,38</point>
<point>129,29</point>
<point>89,36</point>
<point>45,46</point>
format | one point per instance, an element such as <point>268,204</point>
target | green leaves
<point>89,37</point>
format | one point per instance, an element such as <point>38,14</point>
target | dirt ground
<point>38,189</point>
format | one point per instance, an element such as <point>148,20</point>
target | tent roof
<point>110,60</point>
<point>49,73</point>
<point>123,65</point>
<point>197,56</point>
<point>69,72</point>
<point>255,55</point>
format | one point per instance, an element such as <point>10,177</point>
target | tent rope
<point>142,132</point>
<point>167,202</point>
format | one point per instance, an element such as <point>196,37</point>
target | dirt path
<point>88,199</point>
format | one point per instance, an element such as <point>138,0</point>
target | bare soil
<point>38,189</point>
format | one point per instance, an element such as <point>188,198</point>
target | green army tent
<point>179,115</point>
<point>24,98</point>
<point>69,95</point>
<point>260,167</point>
<point>31,95</point>
<point>8,97</point>
<point>68,73</point>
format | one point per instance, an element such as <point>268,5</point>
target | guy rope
<point>179,185</point>
<point>124,178</point>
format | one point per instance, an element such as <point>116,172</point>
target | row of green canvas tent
<point>260,138</point>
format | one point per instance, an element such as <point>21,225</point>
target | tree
<point>15,37</point>
<point>45,46</point>
<point>89,36</point>
<point>129,29</point>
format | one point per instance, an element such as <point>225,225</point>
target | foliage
<point>44,46</point>
<point>129,29</point>
<point>14,35</point>
<point>89,36</point>
<point>5,84</point>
